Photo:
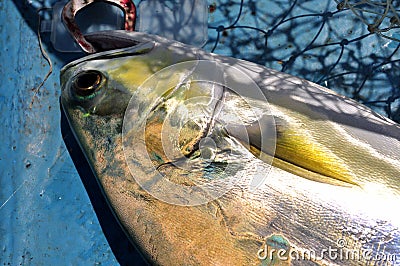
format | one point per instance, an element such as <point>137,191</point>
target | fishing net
<point>348,46</point>
<point>380,17</point>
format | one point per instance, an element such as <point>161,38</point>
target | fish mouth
<point>113,44</point>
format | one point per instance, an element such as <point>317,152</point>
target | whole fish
<point>211,160</point>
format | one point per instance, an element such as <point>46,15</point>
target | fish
<point>212,160</point>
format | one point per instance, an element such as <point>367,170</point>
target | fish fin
<point>293,150</point>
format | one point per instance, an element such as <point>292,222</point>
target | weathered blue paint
<point>46,215</point>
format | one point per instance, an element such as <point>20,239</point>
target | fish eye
<point>86,83</point>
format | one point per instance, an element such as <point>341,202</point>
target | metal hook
<point>72,7</point>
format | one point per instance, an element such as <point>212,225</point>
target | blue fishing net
<point>350,47</point>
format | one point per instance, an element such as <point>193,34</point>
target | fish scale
<point>318,187</point>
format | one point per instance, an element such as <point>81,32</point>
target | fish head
<point>137,130</point>
<point>159,94</point>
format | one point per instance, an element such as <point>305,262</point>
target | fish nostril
<point>86,83</point>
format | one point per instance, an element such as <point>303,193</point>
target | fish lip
<point>141,43</point>
<point>140,48</point>
<point>138,40</point>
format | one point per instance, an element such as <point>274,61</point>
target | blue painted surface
<point>46,215</point>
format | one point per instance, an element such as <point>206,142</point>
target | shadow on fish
<point>210,160</point>
<point>124,251</point>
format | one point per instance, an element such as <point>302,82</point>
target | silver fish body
<point>327,169</point>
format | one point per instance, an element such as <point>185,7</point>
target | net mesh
<point>380,17</point>
<point>351,47</point>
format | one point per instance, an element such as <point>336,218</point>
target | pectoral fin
<point>295,151</point>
